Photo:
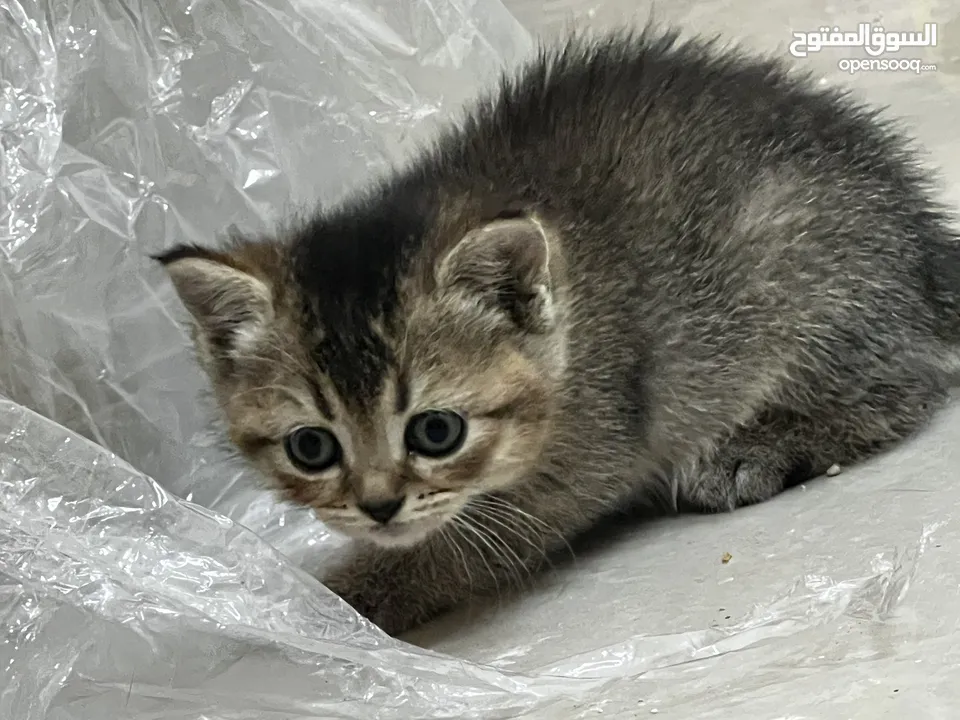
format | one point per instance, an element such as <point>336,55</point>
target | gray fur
<point>748,281</point>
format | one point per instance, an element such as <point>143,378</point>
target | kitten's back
<point>670,150</point>
<point>739,236</point>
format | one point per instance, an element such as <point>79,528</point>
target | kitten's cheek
<point>311,492</point>
<point>513,459</point>
<point>438,475</point>
<point>340,520</point>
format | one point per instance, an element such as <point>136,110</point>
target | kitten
<point>642,265</point>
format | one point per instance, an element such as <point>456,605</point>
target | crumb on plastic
<point>726,557</point>
<point>833,470</point>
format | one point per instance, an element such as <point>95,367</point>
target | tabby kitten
<point>642,265</point>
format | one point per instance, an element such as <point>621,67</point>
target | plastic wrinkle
<point>146,573</point>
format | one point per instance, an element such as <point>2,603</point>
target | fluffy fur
<point>640,266</point>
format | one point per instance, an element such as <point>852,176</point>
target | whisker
<point>451,542</point>
<point>491,514</point>
<point>521,569</point>
<point>458,525</point>
<point>488,538</point>
<point>494,501</point>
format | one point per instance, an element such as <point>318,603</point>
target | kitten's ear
<point>230,305</point>
<point>507,264</point>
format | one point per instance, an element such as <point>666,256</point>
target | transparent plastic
<point>145,573</point>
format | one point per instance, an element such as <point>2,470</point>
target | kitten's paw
<point>385,590</point>
<point>740,474</point>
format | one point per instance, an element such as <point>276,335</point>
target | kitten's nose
<point>382,510</point>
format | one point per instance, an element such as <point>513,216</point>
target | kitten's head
<point>379,378</point>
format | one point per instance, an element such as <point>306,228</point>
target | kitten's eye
<point>312,449</point>
<point>435,433</point>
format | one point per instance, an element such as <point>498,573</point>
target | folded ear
<point>506,264</point>
<point>231,307</point>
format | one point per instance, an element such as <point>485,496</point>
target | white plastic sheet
<point>128,126</point>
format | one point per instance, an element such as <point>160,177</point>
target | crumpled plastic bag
<point>117,600</point>
<point>126,127</point>
<point>145,573</point>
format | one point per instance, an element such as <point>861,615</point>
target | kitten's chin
<point>401,534</point>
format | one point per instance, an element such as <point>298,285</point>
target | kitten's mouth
<point>404,533</point>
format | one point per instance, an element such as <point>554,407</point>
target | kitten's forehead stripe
<point>351,260</point>
<point>356,359</point>
<point>402,391</point>
<point>349,266</point>
<point>319,399</point>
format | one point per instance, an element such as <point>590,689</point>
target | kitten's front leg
<point>399,588</point>
<point>495,544</point>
